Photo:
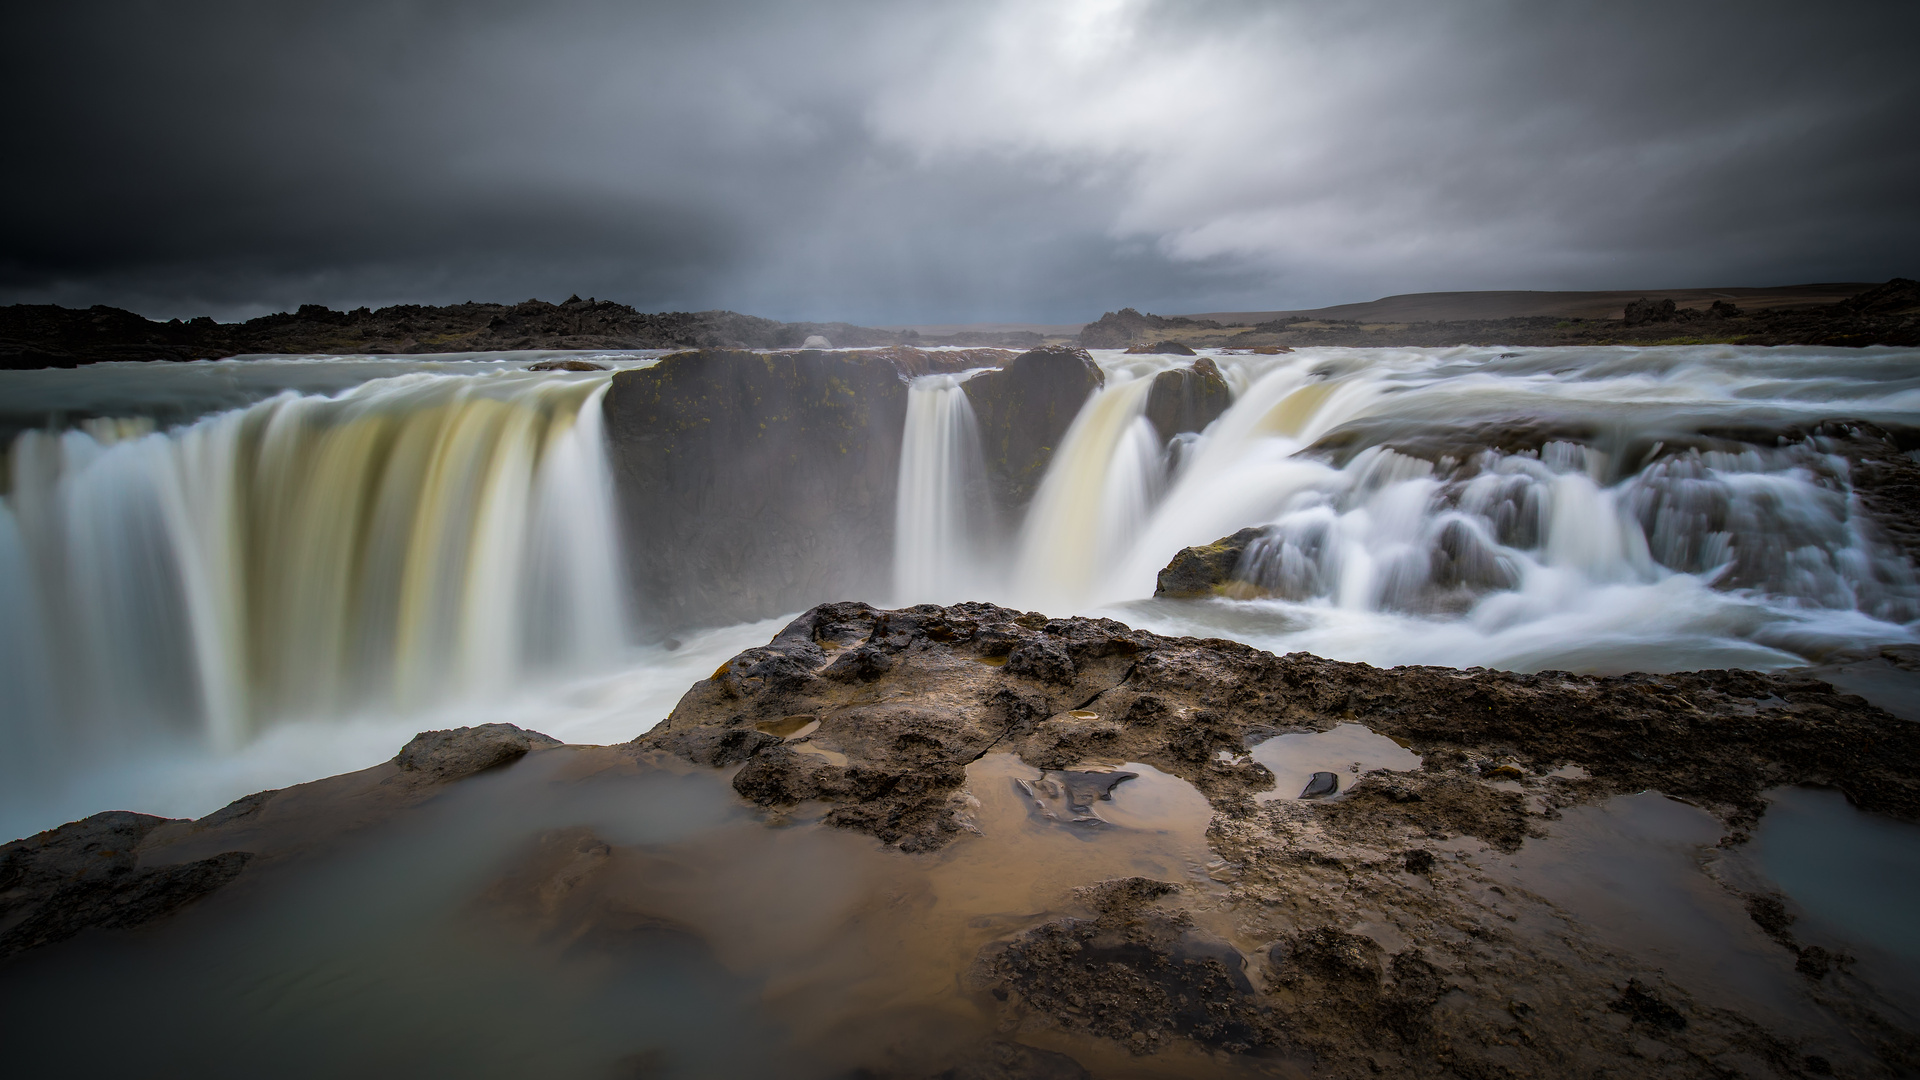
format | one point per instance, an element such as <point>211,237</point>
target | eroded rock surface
<point>458,752</point>
<point>1372,931</point>
<point>904,700</point>
<point>86,874</point>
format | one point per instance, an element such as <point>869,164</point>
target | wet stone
<point>1071,794</point>
<point>1320,786</point>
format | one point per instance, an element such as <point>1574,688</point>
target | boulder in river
<point>1206,569</point>
<point>1163,348</point>
<point>1187,399</point>
<point>1024,410</point>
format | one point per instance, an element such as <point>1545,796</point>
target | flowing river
<point>222,577</point>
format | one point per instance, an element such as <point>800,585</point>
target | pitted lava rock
<point>1134,973</point>
<point>1371,930</point>
<point>910,697</point>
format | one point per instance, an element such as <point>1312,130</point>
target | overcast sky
<point>951,161</point>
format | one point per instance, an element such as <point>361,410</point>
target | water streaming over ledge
<point>943,519</point>
<point>408,542</point>
<point>389,546</point>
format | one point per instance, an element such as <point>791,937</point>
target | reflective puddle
<point>1344,753</point>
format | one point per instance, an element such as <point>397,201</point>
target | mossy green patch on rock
<point>1205,570</point>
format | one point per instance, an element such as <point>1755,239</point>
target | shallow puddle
<point>1633,873</point>
<point>1850,881</point>
<point>1346,752</point>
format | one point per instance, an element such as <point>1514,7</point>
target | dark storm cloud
<point>888,162</point>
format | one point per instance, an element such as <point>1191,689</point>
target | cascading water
<point>942,519</point>
<point>1094,498</point>
<point>1568,555</point>
<point>412,541</point>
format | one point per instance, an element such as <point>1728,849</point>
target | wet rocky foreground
<point>975,842</point>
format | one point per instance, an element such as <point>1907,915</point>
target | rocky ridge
<point>46,335</point>
<point>878,715</point>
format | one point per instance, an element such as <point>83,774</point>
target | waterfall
<point>1560,556</point>
<point>942,515</point>
<point>1093,499</point>
<point>432,544</point>
<point>413,541</point>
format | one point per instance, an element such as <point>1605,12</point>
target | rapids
<point>218,577</point>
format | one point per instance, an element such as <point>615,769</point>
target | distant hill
<point>1518,304</point>
<point>1837,314</point>
<point>46,335</point>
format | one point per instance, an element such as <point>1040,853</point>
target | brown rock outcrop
<point>86,875</point>
<point>906,699</point>
<point>458,752</point>
<point>1382,943</point>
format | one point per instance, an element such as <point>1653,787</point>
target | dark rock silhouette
<point>1120,329</point>
<point>86,875</point>
<point>1187,399</point>
<point>755,483</point>
<point>1643,311</point>
<point>1024,410</point>
<point>46,335</point>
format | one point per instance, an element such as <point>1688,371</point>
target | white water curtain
<point>413,541</point>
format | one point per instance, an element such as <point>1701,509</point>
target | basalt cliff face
<point>751,484</point>
<point>1024,411</point>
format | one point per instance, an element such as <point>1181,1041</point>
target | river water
<point>222,577</point>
